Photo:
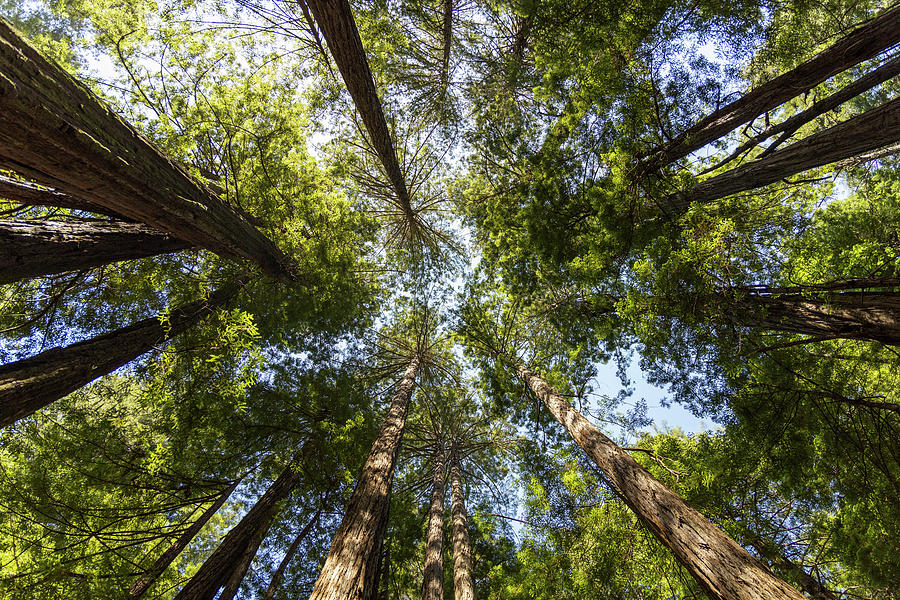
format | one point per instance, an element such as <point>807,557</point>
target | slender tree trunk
<point>278,575</point>
<point>54,131</point>
<point>338,27</point>
<point>723,569</point>
<point>384,575</point>
<point>865,42</point>
<point>139,587</point>
<point>228,563</point>
<point>447,35</point>
<point>433,580</point>
<point>350,569</point>
<point>463,582</point>
<point>871,130</point>
<point>785,566</point>
<point>32,383</point>
<point>35,248</point>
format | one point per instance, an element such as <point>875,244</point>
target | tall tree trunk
<point>350,569</point>
<point>865,42</point>
<point>35,248</point>
<point>447,35</point>
<point>32,383</point>
<point>278,575</point>
<point>139,587</point>
<point>338,27</point>
<point>463,582</point>
<point>54,131</point>
<point>228,563</point>
<point>785,566</point>
<point>723,569</point>
<point>433,580</point>
<point>871,130</point>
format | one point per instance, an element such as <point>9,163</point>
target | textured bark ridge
<point>278,575</point>
<point>865,42</point>
<point>463,583</point>
<point>35,248</point>
<point>336,22</point>
<point>32,383</point>
<point>869,131</point>
<point>350,570</point>
<point>140,587</point>
<point>433,579</point>
<point>723,569</point>
<point>227,565</point>
<point>55,132</point>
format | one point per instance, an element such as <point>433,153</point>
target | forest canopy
<point>375,300</point>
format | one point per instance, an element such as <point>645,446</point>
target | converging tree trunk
<point>863,43</point>
<point>463,582</point>
<point>723,569</point>
<point>433,579</point>
<point>35,248</point>
<point>278,575</point>
<point>350,570</point>
<point>145,581</point>
<point>338,27</point>
<point>54,131</point>
<point>32,383</point>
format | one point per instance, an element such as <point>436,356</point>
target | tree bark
<point>228,563</point>
<point>869,131</point>
<point>35,248</point>
<point>278,575</point>
<point>433,580</point>
<point>784,565</point>
<point>865,42</point>
<point>32,383</point>
<point>29,194</point>
<point>338,27</point>
<point>463,582</point>
<point>723,569</point>
<point>139,587</point>
<point>447,35</point>
<point>350,570</point>
<point>54,131</point>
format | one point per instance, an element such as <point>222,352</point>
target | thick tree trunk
<point>433,580</point>
<point>139,587</point>
<point>54,131</point>
<point>278,575</point>
<point>228,563</point>
<point>32,383</point>
<point>871,130</point>
<point>336,22</point>
<point>723,569</point>
<point>35,248</point>
<point>463,582</point>
<point>865,42</point>
<point>350,570</point>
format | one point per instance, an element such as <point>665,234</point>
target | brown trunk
<point>35,248</point>
<point>722,568</point>
<point>239,570</point>
<point>350,570</point>
<point>785,566</point>
<point>278,575</point>
<point>447,34</point>
<point>865,42</point>
<point>335,20</point>
<point>139,587</point>
<point>54,131</point>
<point>228,563</point>
<point>32,383</point>
<point>463,583</point>
<point>871,130</point>
<point>29,194</point>
<point>433,580</point>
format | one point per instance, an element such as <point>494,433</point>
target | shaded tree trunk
<point>447,35</point>
<point>54,131</point>
<point>338,27</point>
<point>723,569</point>
<point>139,587</point>
<point>34,248</point>
<point>463,583</point>
<point>228,563</point>
<point>278,575</point>
<point>32,383</point>
<point>785,566</point>
<point>29,194</point>
<point>865,42</point>
<point>352,564</point>
<point>433,579</point>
